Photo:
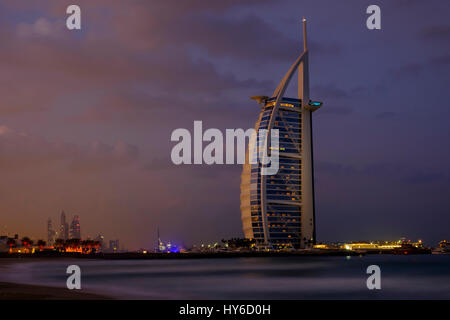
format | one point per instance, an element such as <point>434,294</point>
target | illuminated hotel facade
<point>278,210</point>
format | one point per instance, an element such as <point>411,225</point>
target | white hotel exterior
<point>278,210</point>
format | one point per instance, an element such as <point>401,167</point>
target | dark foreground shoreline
<point>15,291</point>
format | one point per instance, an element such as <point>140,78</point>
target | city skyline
<point>86,116</point>
<point>64,231</point>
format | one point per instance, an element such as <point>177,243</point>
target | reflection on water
<point>402,277</point>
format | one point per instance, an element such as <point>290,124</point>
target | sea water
<point>402,277</point>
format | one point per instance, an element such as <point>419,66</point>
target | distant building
<point>161,247</point>
<point>75,230</point>
<point>4,244</point>
<point>101,239</point>
<point>51,234</point>
<point>166,247</point>
<point>64,227</point>
<point>114,245</point>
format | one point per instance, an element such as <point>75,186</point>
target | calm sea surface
<point>402,277</point>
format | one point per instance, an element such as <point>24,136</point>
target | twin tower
<point>278,210</point>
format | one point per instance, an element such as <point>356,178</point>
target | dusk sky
<point>86,116</point>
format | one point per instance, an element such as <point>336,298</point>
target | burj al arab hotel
<point>278,210</point>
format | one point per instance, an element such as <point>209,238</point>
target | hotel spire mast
<point>308,206</point>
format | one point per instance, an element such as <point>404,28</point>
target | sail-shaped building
<point>278,210</point>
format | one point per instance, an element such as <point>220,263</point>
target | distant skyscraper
<point>113,245</point>
<point>75,232</point>
<point>64,227</point>
<point>161,246</point>
<point>278,210</point>
<point>101,239</point>
<point>51,234</point>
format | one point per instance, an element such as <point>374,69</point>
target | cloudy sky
<point>86,116</point>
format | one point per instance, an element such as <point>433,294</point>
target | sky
<point>86,115</point>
